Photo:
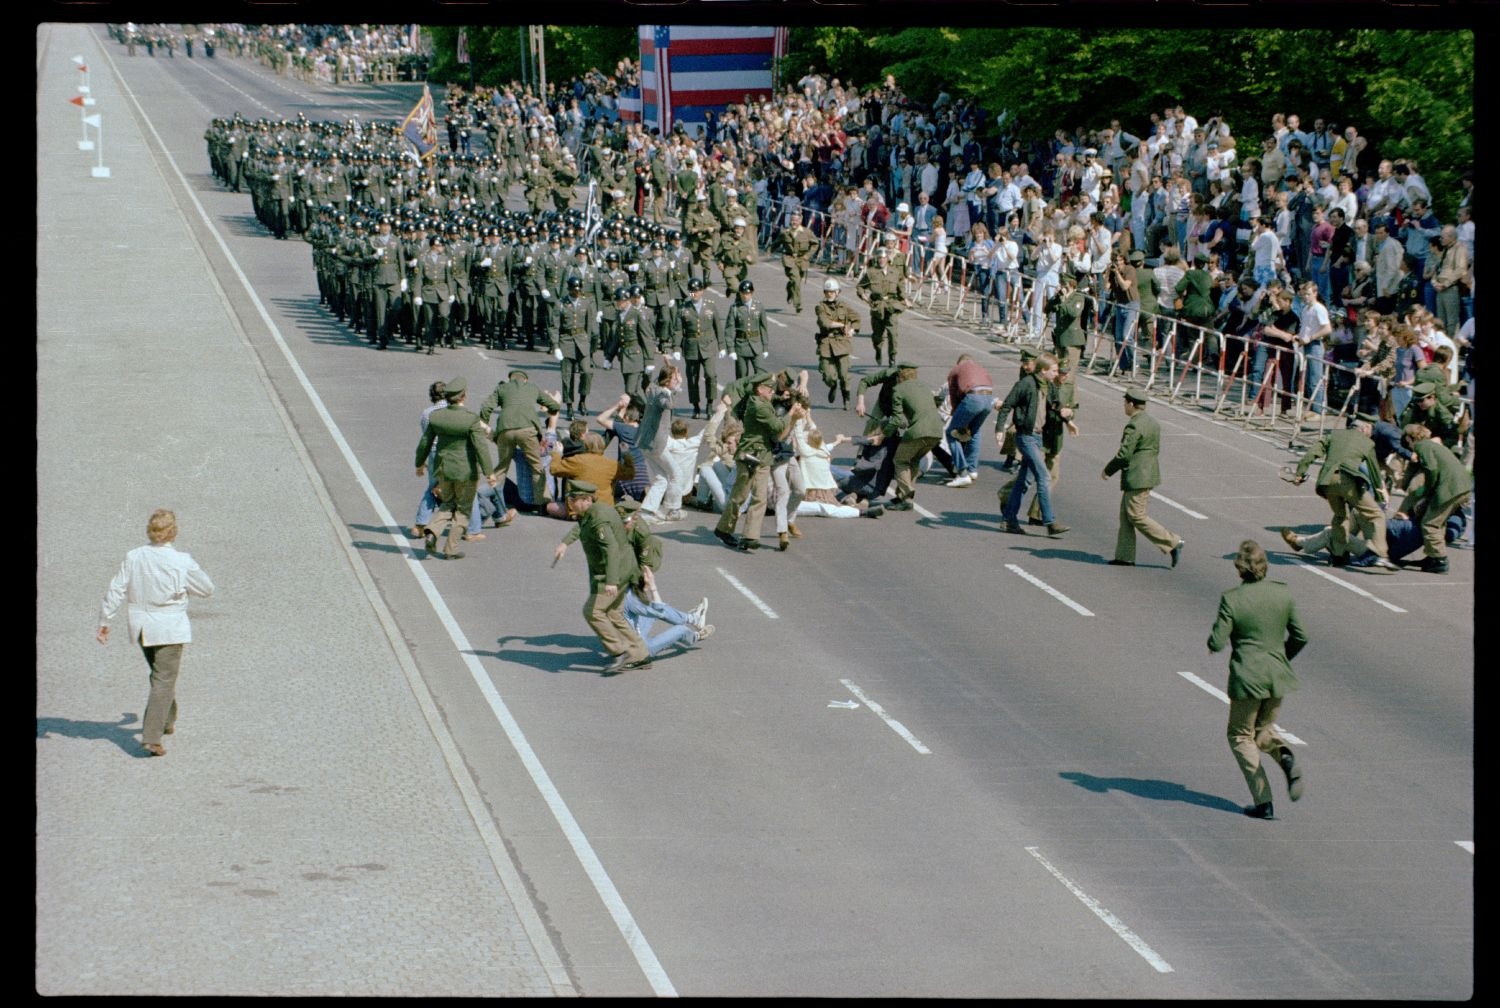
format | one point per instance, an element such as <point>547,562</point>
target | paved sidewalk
<point>304,834</point>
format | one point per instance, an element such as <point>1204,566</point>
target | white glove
<point>528,260</point>
<point>486,261</point>
<point>598,316</point>
<point>764,354</point>
<point>380,253</point>
<point>677,355</point>
<point>605,365</point>
<point>557,353</point>
<point>633,267</point>
<point>452,298</point>
<point>546,294</point>
<point>301,172</point>
<point>348,198</point>
<point>276,176</point>
<point>672,303</point>
<point>417,300</point>
<point>403,285</point>
<point>733,355</point>
<point>721,355</point>
<point>308,202</point>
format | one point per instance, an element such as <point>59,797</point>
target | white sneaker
<point>961,480</point>
<point>677,355</point>
<point>706,630</point>
<point>700,614</point>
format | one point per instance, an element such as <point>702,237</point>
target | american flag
<point>690,70</point>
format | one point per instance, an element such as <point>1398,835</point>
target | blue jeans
<point>1321,278</point>
<point>1265,274</point>
<point>1313,362</point>
<point>1125,323</point>
<point>969,415</point>
<point>643,614</point>
<point>1033,466</point>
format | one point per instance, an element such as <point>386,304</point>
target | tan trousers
<point>908,464</point>
<point>1434,519</point>
<point>605,615</point>
<point>1354,504</point>
<point>525,438</point>
<point>455,502</point>
<point>1133,519</point>
<point>1250,734</point>
<point>165,661</point>
<point>753,482</point>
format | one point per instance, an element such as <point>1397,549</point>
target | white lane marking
<point>646,958</point>
<point>844,704</point>
<point>1255,497</point>
<point>1215,691</point>
<point>1114,923</point>
<point>1467,845</point>
<point>1044,586</point>
<point>770,613</point>
<point>896,726</point>
<point>776,322</point>
<point>923,511</point>
<point>1311,569</point>
<point>1169,502</point>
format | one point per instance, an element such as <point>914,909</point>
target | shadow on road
<point>119,732</point>
<point>583,653</point>
<point>1156,790</point>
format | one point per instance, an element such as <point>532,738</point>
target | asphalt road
<point>918,757</point>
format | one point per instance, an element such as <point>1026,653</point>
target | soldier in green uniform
<point>462,458</point>
<point>1057,423</point>
<point>633,334</point>
<point>914,416</point>
<point>1195,288</point>
<point>538,182</point>
<point>1349,480</point>
<point>612,569</point>
<point>1445,487</point>
<point>387,264</point>
<point>612,280</point>
<point>796,244</point>
<point>702,228</point>
<point>880,288</point>
<point>1258,620</point>
<point>1139,466</point>
<point>516,426</point>
<point>656,281</point>
<point>490,279</point>
<point>1427,409</point>
<point>564,178</point>
<point>661,181</point>
<point>837,323</point>
<point>554,265</point>
<point>1069,305</point>
<point>572,334</point>
<point>529,284</point>
<point>702,334</point>
<point>752,470</point>
<point>745,330</point>
<point>461,253</point>
<point>734,256</point>
<point>436,293</point>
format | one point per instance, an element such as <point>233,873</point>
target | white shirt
<point>155,582</point>
<point>1439,338</point>
<point>1314,319</point>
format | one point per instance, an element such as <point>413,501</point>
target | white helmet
<point>831,285</point>
<point>739,222</point>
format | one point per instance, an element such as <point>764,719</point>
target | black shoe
<point>1295,785</point>
<point>1176,553</point>
<point>1338,561</point>
<point>1261,811</point>
<point>1057,529</point>
<point>747,545</point>
<point>832,390</point>
<point>1036,521</point>
<point>1122,563</point>
<point>727,538</point>
<point>1435,565</point>
<point>1014,528</point>
<point>900,505</point>
<point>429,540</point>
<point>874,511</point>
<point>1009,465</point>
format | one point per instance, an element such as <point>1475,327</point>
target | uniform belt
<point>974,390</point>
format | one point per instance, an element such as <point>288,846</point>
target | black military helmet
<point>611,256</point>
<point>674,236</point>
<point>575,283</point>
<point>695,284</point>
<point>657,246</point>
<point>635,290</point>
<point>622,293</point>
<point>747,286</point>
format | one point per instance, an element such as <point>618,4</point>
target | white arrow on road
<point>844,704</point>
